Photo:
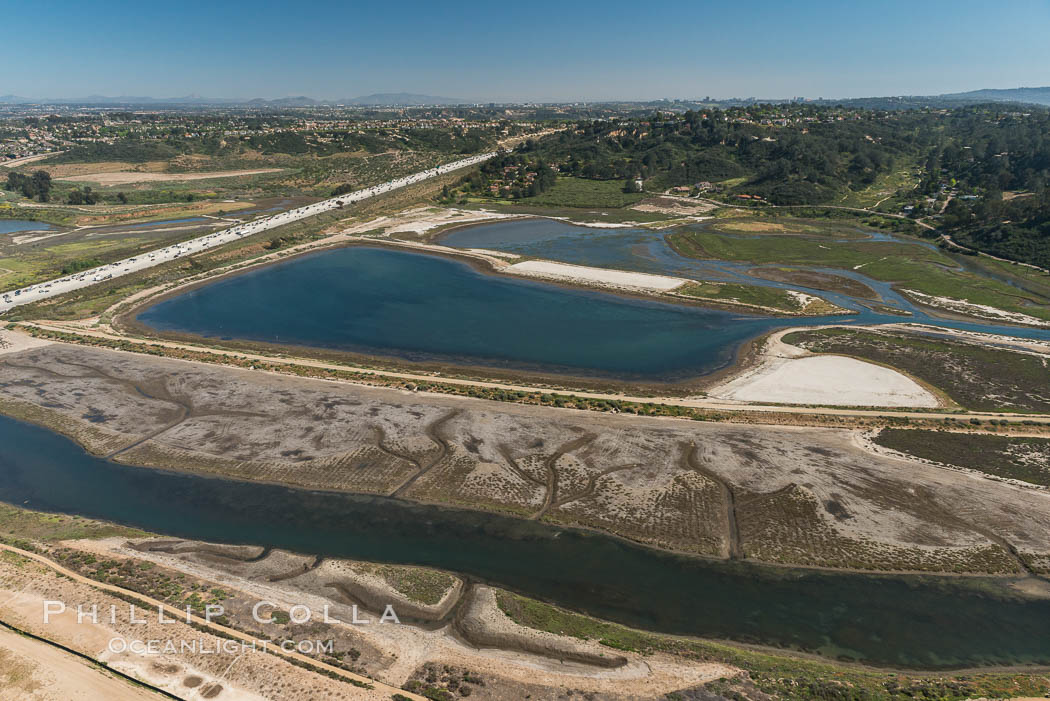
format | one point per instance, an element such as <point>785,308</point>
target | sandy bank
<point>578,273</point>
<point>790,375</point>
<point>981,311</point>
<point>485,625</point>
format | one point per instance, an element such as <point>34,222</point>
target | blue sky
<point>529,50</point>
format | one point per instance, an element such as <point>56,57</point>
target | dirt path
<point>39,671</point>
<point>127,178</point>
<point>211,627</point>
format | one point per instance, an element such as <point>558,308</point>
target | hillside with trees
<point>981,172</point>
<point>808,157</point>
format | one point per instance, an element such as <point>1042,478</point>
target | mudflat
<point>790,495</point>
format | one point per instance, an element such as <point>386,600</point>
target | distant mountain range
<point>1017,96</point>
<point>1030,96</point>
<point>401,99</point>
<point>1033,96</point>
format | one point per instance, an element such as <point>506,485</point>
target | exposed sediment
<point>482,623</point>
<point>761,492</point>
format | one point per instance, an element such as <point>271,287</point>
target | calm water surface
<point>13,226</point>
<point>424,307</point>
<point>927,622</point>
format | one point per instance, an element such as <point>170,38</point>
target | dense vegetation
<point>37,185</point>
<point>319,142</point>
<point>509,175</point>
<point>1021,458</point>
<point>976,172</point>
<point>987,166</point>
<point>806,160</point>
<point>1004,159</point>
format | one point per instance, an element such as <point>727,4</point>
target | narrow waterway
<point>647,251</point>
<point>927,622</point>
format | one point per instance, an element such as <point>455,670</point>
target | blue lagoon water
<point>427,308</point>
<point>421,307</point>
<point>13,226</point>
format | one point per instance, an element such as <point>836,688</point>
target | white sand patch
<point>33,237</point>
<point>490,252</point>
<point>803,299</point>
<point>581,274</point>
<point>598,224</point>
<point>830,380</point>
<point>420,220</point>
<point>126,178</point>
<point>982,311</point>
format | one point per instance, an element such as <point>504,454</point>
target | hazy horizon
<point>545,52</point>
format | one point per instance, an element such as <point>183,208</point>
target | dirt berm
<point>482,623</point>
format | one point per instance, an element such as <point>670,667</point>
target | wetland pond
<point>904,621</point>
<point>427,308</point>
<point>14,226</point>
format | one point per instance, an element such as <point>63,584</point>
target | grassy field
<point>887,189</point>
<point>26,264</point>
<point>906,265</point>
<point>597,215</point>
<point>35,265</point>
<point>786,226</point>
<point>975,377</point>
<point>18,524</point>
<point>1020,458</point>
<point>419,584</point>
<point>577,192</point>
<point>815,280</point>
<point>771,297</point>
<point>774,675</point>
<point>1035,280</point>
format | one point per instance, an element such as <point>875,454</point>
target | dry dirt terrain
<point>187,672</point>
<point>444,622</point>
<point>31,670</point>
<point>126,178</point>
<point>797,495</point>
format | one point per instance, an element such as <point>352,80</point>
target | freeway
<point>76,281</point>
